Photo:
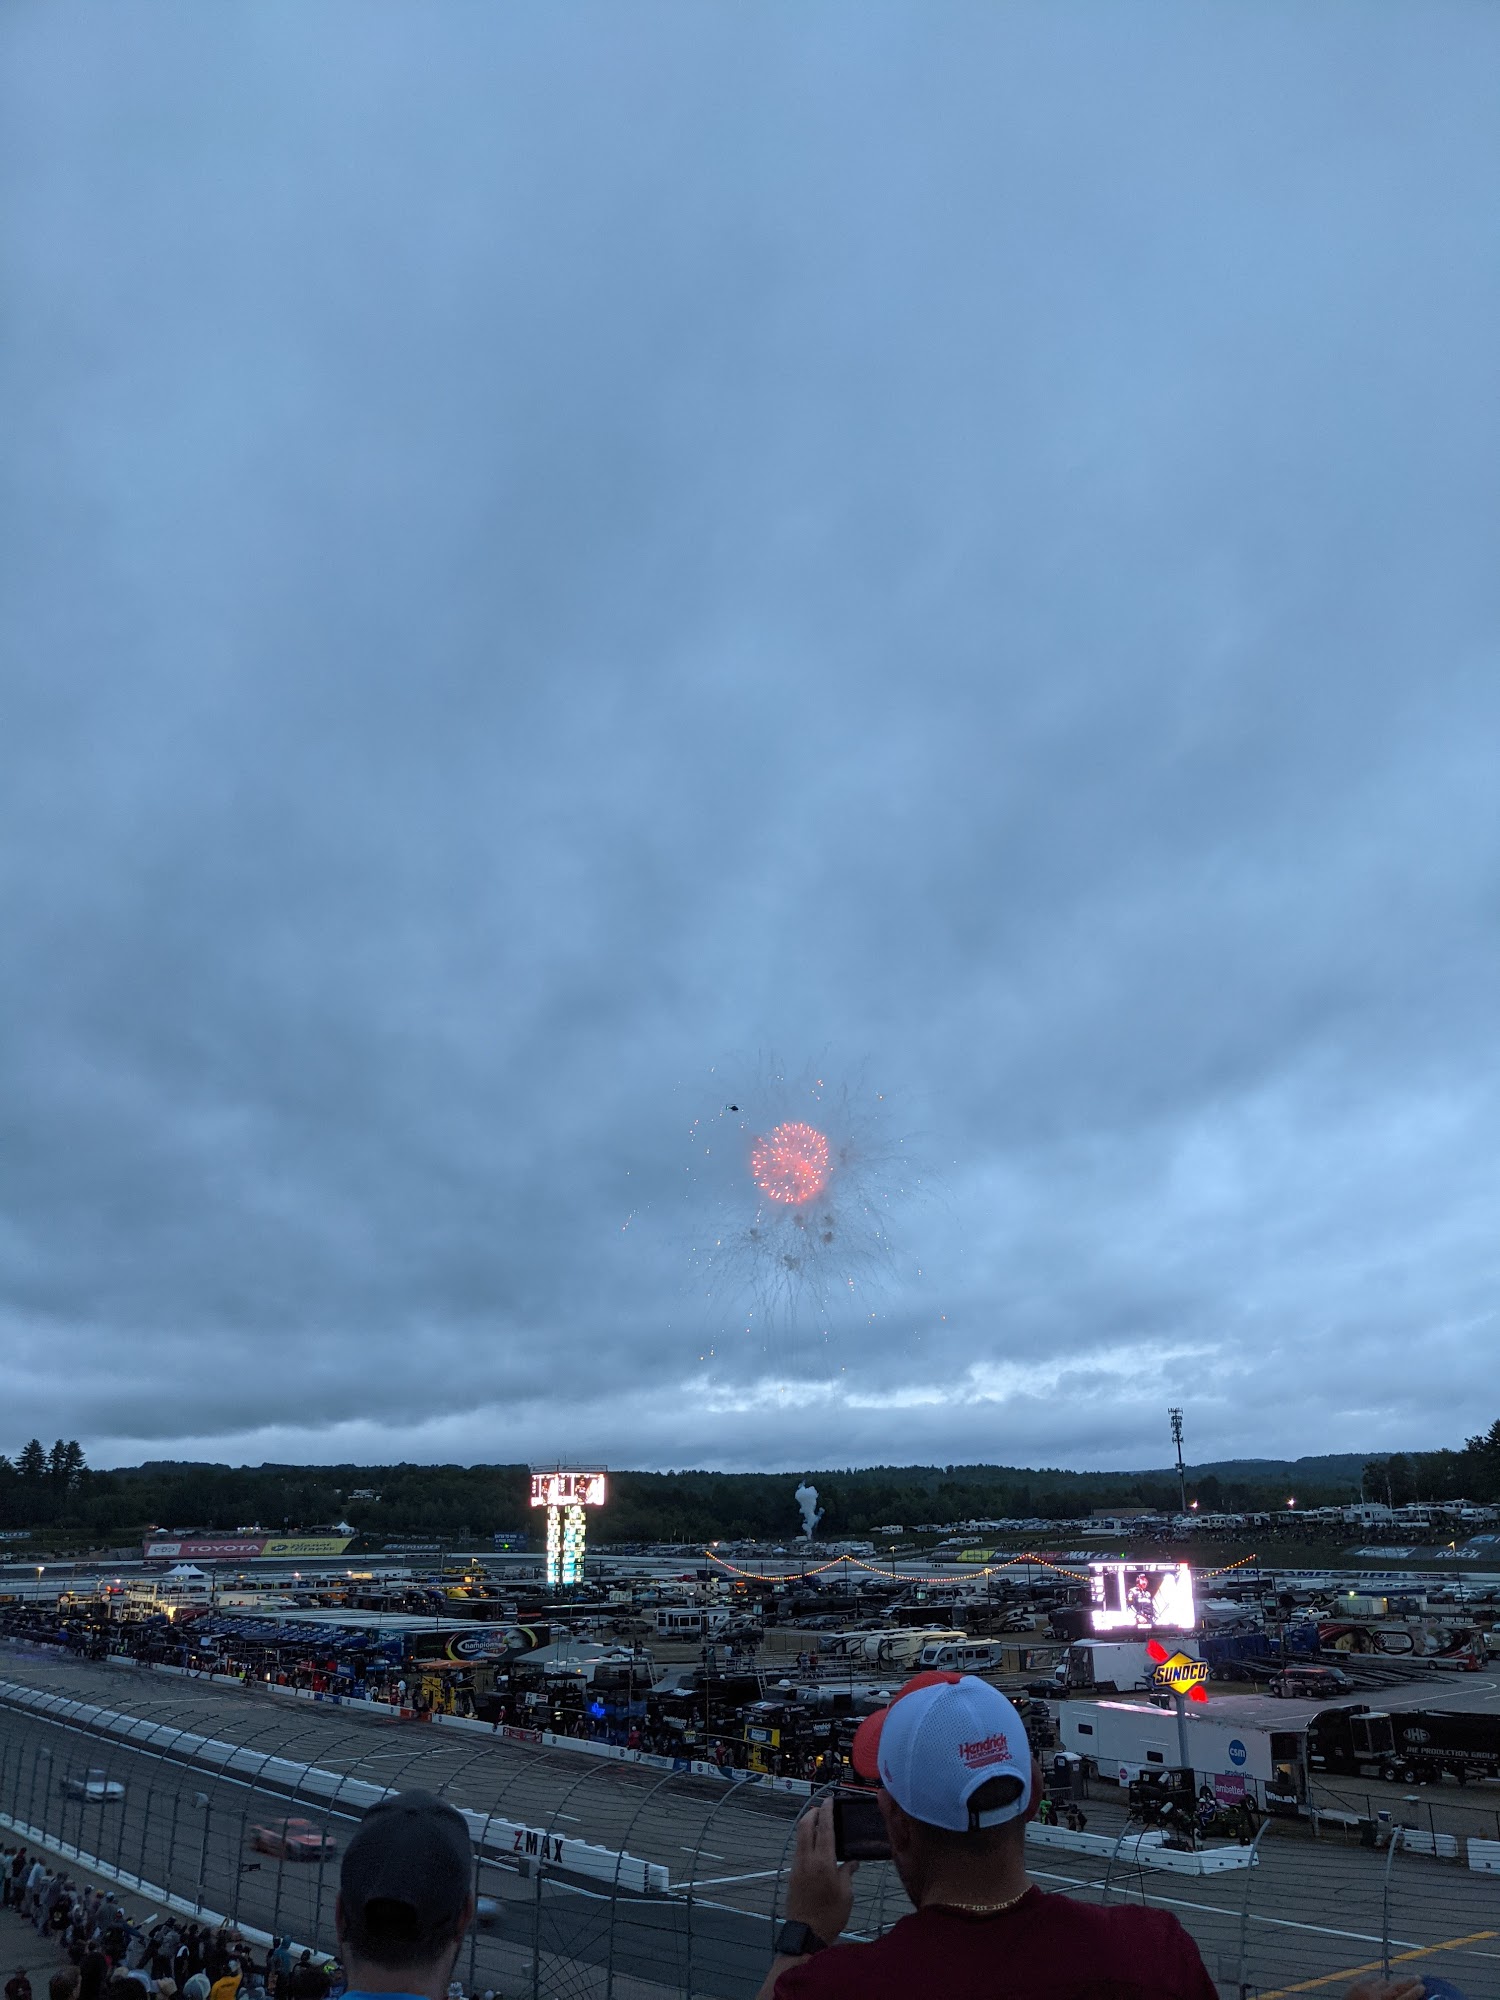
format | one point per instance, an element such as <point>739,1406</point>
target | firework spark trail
<point>797,1178</point>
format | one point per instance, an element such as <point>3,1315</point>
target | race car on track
<point>98,1787</point>
<point>296,1839</point>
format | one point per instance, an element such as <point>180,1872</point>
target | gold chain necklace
<point>981,1909</point>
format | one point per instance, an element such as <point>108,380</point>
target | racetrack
<point>1315,1909</point>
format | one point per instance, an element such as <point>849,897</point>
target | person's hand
<point>1404,1988</point>
<point>820,1889</point>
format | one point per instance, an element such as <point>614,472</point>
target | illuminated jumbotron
<point>1142,1597</point>
<point>565,1495</point>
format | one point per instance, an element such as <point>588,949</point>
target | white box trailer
<point>1246,1751</point>
<point>1116,1666</point>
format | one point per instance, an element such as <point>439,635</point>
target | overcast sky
<point>550,551</point>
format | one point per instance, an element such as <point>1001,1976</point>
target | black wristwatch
<point>795,1940</point>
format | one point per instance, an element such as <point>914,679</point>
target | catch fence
<point>600,1879</point>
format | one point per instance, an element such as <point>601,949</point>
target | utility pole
<point>1176,1417</point>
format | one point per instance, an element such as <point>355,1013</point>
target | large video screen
<point>1142,1597</point>
<point>567,1489</point>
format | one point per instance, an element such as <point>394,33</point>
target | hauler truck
<point>1407,1746</point>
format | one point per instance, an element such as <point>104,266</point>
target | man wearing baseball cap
<point>405,1897</point>
<point>957,1786</point>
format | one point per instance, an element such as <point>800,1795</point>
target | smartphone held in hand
<point>858,1829</point>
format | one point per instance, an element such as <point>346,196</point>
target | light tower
<point>1176,1416</point>
<point>565,1495</point>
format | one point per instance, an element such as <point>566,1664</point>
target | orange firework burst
<point>796,1178</point>
<point>791,1163</point>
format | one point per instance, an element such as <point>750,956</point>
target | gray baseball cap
<point>412,1849</point>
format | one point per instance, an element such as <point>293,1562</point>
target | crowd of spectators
<point>113,1956</point>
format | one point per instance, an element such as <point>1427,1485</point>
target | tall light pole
<point>1176,1418</point>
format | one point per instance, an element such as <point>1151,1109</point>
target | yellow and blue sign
<point>1177,1672</point>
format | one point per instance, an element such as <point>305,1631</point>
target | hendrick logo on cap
<point>987,1750</point>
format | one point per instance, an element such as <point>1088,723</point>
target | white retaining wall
<point>503,1838</point>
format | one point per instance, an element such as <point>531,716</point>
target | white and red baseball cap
<point>937,1741</point>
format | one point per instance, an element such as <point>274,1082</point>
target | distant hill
<point>1331,1469</point>
<point>467,1502</point>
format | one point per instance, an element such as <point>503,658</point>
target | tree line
<point>1471,1474</point>
<point>55,1490</point>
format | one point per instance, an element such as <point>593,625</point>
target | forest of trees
<point>55,1493</point>
<point>1470,1474</point>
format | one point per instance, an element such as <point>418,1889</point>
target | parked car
<point>1315,1683</point>
<point>98,1787</point>
<point>295,1839</point>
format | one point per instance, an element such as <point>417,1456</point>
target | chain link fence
<point>599,1879</point>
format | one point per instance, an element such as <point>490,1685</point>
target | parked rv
<point>690,1621</point>
<point>969,1656</point>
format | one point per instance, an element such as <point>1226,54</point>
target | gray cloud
<point>538,552</point>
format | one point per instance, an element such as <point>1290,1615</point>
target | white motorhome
<point>886,1646</point>
<point>689,1621</point>
<point>904,1646</point>
<point>964,1656</point>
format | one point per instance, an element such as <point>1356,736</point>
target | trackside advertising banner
<point>243,1547</point>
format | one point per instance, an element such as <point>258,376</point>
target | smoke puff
<point>812,1513</point>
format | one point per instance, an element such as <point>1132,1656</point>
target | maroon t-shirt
<point>1045,1948</point>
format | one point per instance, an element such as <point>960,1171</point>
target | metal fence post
<point>40,1755</point>
<point>536,1934</point>
<point>201,1800</point>
<point>478,1886</point>
<point>1114,1855</point>
<point>44,1756</point>
<point>171,1841</point>
<point>1398,1835</point>
<point>119,1824</point>
<point>331,1808</point>
<point>36,1752</point>
<point>1251,1866</point>
<point>15,1771</point>
<point>238,1862</point>
<point>280,1872</point>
